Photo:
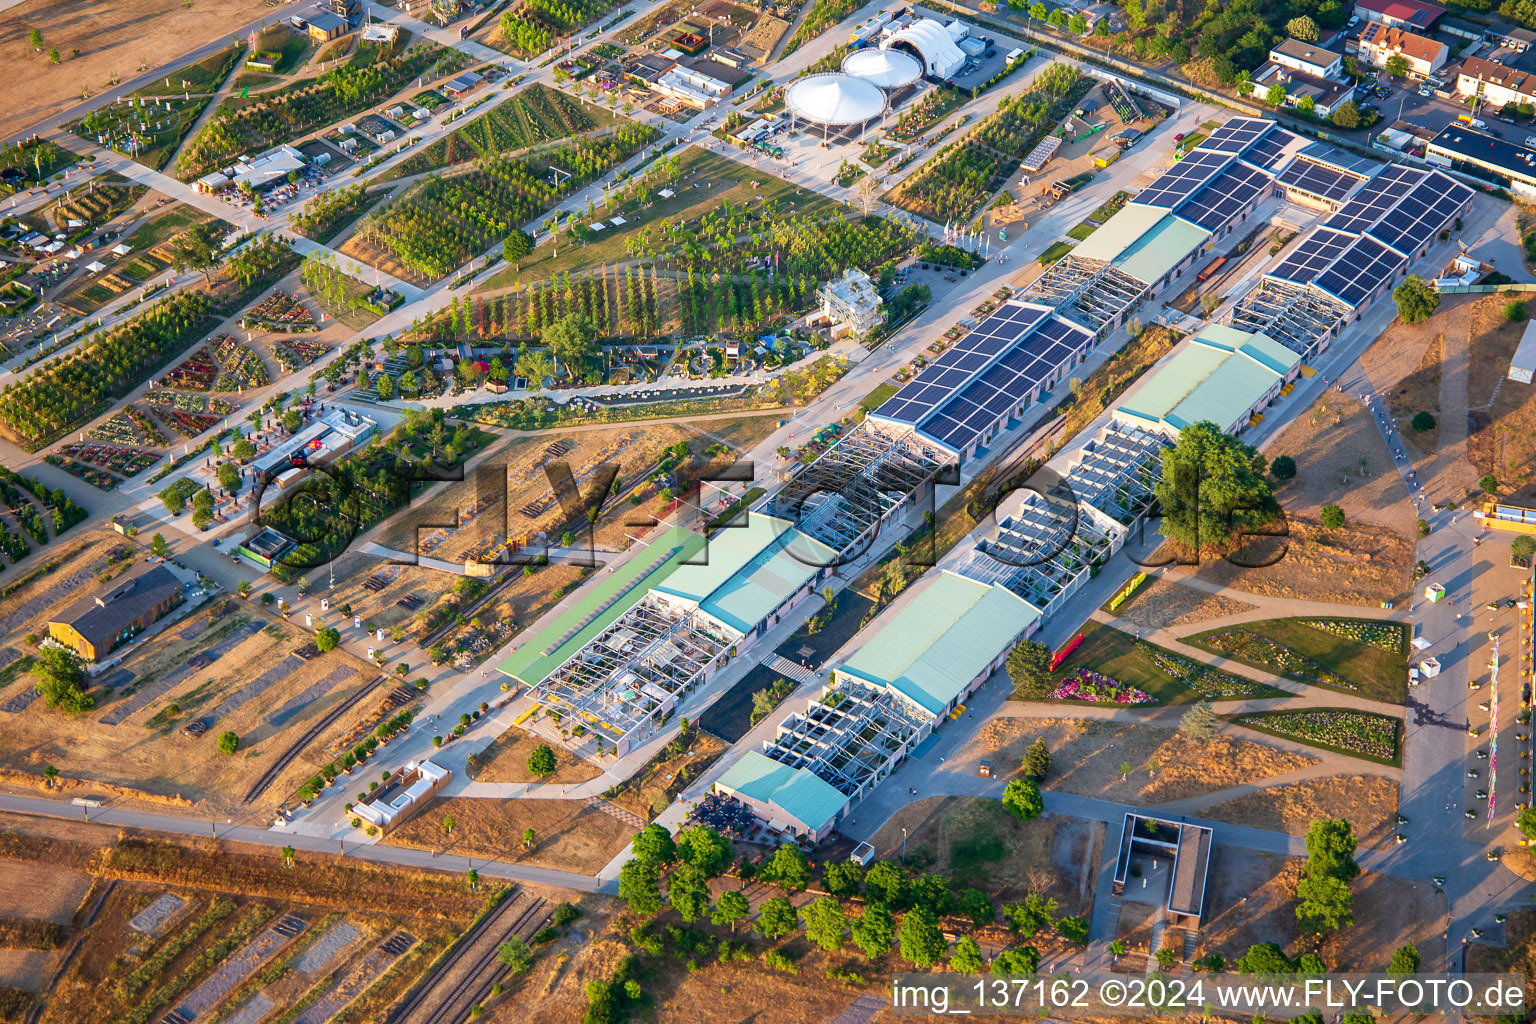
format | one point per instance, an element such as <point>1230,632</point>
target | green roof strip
<point>931,648</point>
<point>1219,375</point>
<point>606,597</point>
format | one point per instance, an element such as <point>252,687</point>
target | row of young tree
<point>442,222</point>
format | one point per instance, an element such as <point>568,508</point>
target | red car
<point>1179,137</point>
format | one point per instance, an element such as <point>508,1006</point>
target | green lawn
<point>1272,723</point>
<point>1082,231</point>
<point>876,398</point>
<point>353,317</point>
<point>687,204</point>
<point>171,222</point>
<point>204,76</point>
<point>1054,253</point>
<point>1111,652</point>
<point>44,156</point>
<point>1375,673</point>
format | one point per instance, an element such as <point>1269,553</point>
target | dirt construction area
<point>1162,603</point>
<point>1501,413</point>
<point>571,835</point>
<point>1123,761</point>
<point>97,38</point>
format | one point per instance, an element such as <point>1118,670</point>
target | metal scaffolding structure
<point>847,491</point>
<point>1046,549</point>
<point>635,670</point>
<point>1090,292</point>
<point>1300,317</point>
<point>1116,471</point>
<point>851,737</point>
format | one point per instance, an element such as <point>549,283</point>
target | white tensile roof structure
<point>889,69</point>
<point>935,42</point>
<point>834,99</point>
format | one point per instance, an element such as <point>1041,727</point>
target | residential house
<point>1380,43</point>
<point>1412,14</point>
<point>1496,83</point>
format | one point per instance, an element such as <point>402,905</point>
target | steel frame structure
<point>862,478</point>
<point>637,668</point>
<point>1091,292</point>
<point>850,737</point>
<point>1299,317</point>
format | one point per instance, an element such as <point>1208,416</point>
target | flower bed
<point>95,477</point>
<point>1264,652</point>
<point>1211,683</point>
<point>126,461</point>
<point>279,312</point>
<point>196,373</point>
<point>128,426</point>
<point>1357,732</point>
<point>1087,685</point>
<point>1384,636</point>
<point>292,353</point>
<point>243,368</point>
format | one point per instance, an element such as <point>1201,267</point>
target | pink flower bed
<point>1089,686</point>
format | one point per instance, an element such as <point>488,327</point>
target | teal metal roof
<point>941,639</point>
<point>1219,375</point>
<point>605,597</point>
<point>1160,249</point>
<point>799,792</point>
<point>1144,241</point>
<point>749,571</point>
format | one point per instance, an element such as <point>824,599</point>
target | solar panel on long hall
<point>1237,134</point>
<point>1363,267</point>
<point>1312,256</point>
<point>1181,180</point>
<point>1025,345</point>
<point>1226,194</point>
<point>1317,179</point>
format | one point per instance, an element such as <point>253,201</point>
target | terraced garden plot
<point>293,353</point>
<point>235,969</point>
<point>117,458</point>
<point>129,426</point>
<point>243,368</point>
<point>240,697</point>
<point>537,114</point>
<point>280,717</point>
<point>358,980</point>
<point>195,373</point>
<point>146,695</point>
<point>152,919</point>
<point>326,948</point>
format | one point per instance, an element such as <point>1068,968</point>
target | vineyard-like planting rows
<point>532,26</point>
<point>242,125</point>
<point>442,222</point>
<point>956,182</point>
<point>537,114</point>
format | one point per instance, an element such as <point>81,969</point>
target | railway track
<point>475,986</point>
<point>270,775</point>
<point>518,915</point>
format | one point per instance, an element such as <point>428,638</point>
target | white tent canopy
<point>889,69</point>
<point>834,99</point>
<point>935,41</point>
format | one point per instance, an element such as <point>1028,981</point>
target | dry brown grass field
<point>1161,603</point>
<point>1088,756</point>
<point>653,788</point>
<point>1367,802</point>
<point>571,835</point>
<point>505,759</point>
<point>1501,414</point>
<point>111,37</point>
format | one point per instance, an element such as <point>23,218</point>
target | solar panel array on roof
<point>1364,266</point>
<point>987,373</point>
<point>1237,135</point>
<point>1227,193</point>
<point>1181,180</point>
<point>988,399</point>
<point>1318,180</point>
<point>1313,256</point>
<point>955,368</point>
<point>1373,201</point>
<point>1269,150</point>
<point>1412,221</point>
